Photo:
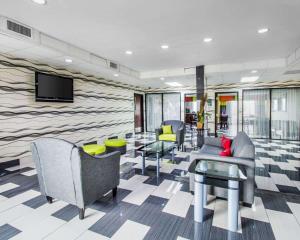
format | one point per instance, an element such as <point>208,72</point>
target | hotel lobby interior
<point>150,120</point>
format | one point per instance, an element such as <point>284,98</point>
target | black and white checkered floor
<point>151,208</point>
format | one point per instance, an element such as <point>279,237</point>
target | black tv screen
<point>51,88</point>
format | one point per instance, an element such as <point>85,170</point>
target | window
<point>279,102</point>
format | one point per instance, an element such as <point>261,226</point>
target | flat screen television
<point>51,88</point>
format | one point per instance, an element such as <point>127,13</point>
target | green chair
<point>94,149</point>
<point>117,144</point>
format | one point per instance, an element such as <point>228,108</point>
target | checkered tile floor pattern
<point>151,208</point>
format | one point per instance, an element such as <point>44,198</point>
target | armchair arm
<point>180,135</point>
<point>213,141</point>
<point>99,174</point>
<point>158,132</point>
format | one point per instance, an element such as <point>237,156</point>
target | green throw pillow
<point>167,129</point>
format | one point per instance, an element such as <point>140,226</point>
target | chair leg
<point>49,199</point>
<point>114,192</point>
<point>81,213</point>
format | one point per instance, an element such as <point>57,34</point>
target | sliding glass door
<point>285,114</point>
<point>171,106</point>
<point>154,111</point>
<point>272,113</point>
<point>160,107</point>
<point>256,113</point>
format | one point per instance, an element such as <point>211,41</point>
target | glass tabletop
<point>157,147</point>
<point>220,170</point>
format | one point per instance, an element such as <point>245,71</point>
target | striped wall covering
<point>99,110</point>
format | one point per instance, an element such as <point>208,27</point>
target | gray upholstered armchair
<point>178,131</point>
<point>69,174</point>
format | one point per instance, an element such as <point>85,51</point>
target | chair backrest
<point>58,167</point>
<point>242,146</point>
<point>176,124</point>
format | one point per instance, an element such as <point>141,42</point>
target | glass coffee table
<point>156,150</point>
<point>205,173</point>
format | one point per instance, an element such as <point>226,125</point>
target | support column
<point>200,94</point>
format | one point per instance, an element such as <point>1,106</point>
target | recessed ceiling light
<point>249,79</point>
<point>162,78</point>
<point>263,30</point>
<point>41,2</point>
<point>116,75</point>
<point>68,60</point>
<point>207,40</point>
<point>254,71</point>
<point>164,46</point>
<point>174,84</point>
<point>128,52</point>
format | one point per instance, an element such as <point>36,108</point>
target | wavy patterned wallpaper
<point>99,110</point>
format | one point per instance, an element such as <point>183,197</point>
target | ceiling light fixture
<point>249,79</point>
<point>128,52</point>
<point>174,84</point>
<point>40,2</point>
<point>116,75</point>
<point>68,60</point>
<point>164,46</point>
<point>254,71</point>
<point>162,78</point>
<point>207,40</point>
<point>263,30</point>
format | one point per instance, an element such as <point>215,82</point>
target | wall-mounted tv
<point>51,88</point>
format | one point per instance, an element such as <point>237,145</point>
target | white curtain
<point>154,111</point>
<point>285,114</point>
<point>171,106</point>
<point>256,113</point>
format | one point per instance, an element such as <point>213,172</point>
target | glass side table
<point>215,170</point>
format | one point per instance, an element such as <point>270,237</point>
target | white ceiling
<point>109,28</point>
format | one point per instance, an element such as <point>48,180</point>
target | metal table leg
<point>200,198</point>
<point>233,205</point>
<point>173,155</point>
<point>157,165</point>
<point>143,163</point>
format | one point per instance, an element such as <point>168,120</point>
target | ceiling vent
<point>114,66</point>
<point>292,72</point>
<point>18,28</point>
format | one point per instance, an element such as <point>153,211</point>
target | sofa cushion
<point>167,137</point>
<point>208,149</point>
<point>167,129</point>
<point>242,146</point>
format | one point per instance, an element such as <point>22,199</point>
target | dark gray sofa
<point>67,173</point>
<point>243,153</point>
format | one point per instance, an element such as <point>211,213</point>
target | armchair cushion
<point>115,142</point>
<point>94,149</point>
<point>167,129</point>
<point>167,137</point>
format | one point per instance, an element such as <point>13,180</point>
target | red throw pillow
<point>225,153</point>
<point>226,144</point>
